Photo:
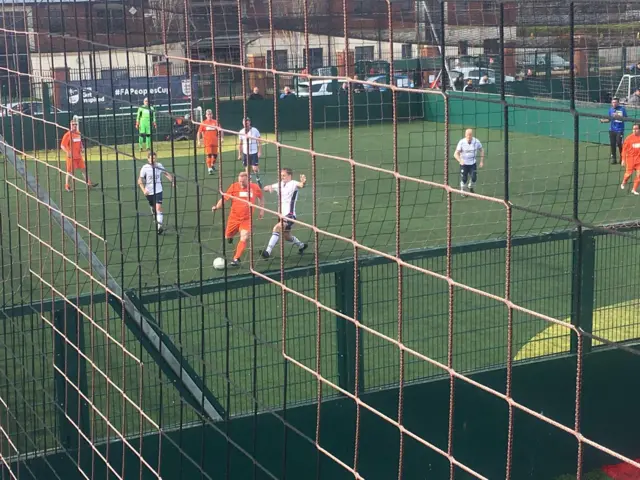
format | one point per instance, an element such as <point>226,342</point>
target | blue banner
<point>87,95</point>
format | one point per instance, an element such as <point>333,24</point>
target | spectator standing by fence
<point>634,99</point>
<point>617,113</point>
<point>256,94</point>
<point>287,93</point>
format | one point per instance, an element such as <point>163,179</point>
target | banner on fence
<point>109,93</point>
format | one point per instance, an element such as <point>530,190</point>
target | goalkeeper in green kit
<point>145,117</point>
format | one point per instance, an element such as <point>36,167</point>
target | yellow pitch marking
<point>125,151</point>
<point>616,323</point>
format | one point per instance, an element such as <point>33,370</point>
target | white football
<point>218,263</point>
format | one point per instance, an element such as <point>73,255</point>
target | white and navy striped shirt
<point>469,150</point>
<point>289,196</point>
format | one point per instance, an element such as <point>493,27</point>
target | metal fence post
<point>70,377</point>
<point>583,289</point>
<point>214,90</point>
<point>346,330</point>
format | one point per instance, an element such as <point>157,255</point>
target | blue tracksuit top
<point>617,125</point>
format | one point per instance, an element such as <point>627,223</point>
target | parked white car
<point>539,61</point>
<point>320,88</point>
<point>475,74</point>
<point>401,80</point>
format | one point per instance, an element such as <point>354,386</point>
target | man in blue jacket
<point>617,114</point>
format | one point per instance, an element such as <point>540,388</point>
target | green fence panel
<point>539,450</point>
<point>70,376</point>
<point>584,262</point>
<point>350,354</point>
<point>25,133</point>
<point>328,111</point>
<point>12,132</point>
<point>527,115</point>
<point>406,64</point>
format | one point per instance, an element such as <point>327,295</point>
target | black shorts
<point>287,224</point>
<point>154,199</point>
<point>468,169</point>
<point>252,160</point>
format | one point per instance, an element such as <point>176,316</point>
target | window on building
<point>54,21</point>
<point>109,20</point>
<point>315,58</point>
<point>359,6</point>
<point>281,60</point>
<point>364,53</point>
<point>407,50</point>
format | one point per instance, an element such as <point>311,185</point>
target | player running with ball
<point>631,159</point>
<point>288,189</point>
<point>242,195</point>
<point>467,156</point>
<point>150,182</point>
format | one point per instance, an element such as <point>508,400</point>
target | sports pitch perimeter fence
<point>235,354</point>
<point>414,352</point>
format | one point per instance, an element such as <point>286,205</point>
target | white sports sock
<point>272,242</point>
<point>296,242</point>
<point>159,218</point>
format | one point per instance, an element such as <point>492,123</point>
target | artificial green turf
<point>540,179</point>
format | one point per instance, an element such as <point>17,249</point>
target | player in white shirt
<point>467,156</point>
<point>150,182</point>
<point>288,191</point>
<point>250,148</point>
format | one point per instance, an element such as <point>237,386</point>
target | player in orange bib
<point>631,159</point>
<point>208,136</point>
<point>71,145</point>
<point>242,195</point>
